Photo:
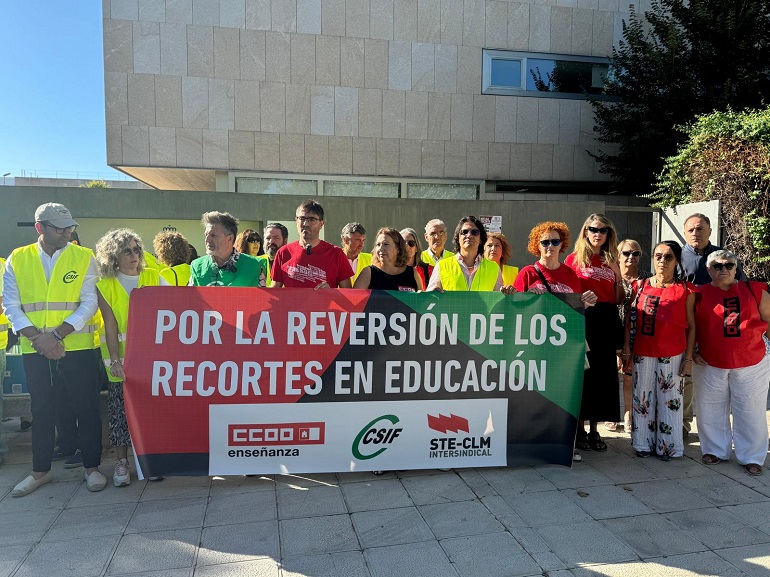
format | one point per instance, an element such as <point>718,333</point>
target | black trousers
<point>74,378</point>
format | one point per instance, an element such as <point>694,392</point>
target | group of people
<point>690,318</point>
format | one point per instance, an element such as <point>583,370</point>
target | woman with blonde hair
<point>595,261</point>
<point>498,250</point>
<point>122,267</point>
<point>413,255</point>
<point>389,270</point>
<point>173,253</point>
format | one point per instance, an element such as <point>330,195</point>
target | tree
<point>681,59</point>
<point>727,156</point>
<point>95,184</point>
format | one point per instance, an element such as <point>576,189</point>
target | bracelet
<point>625,355</point>
<point>115,362</point>
<point>688,360</point>
<point>57,336</point>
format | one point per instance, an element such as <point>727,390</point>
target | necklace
<point>663,284</point>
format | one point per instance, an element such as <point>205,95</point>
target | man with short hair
<point>50,299</point>
<point>311,262</point>
<point>353,241</point>
<point>223,265</point>
<point>436,236</point>
<point>697,232</point>
<point>276,235</point>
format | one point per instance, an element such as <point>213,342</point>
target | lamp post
<point>6,174</point>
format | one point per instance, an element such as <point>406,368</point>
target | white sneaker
<point>29,484</point>
<point>122,475</point>
<point>96,481</point>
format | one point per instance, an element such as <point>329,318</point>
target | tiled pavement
<point>611,515</point>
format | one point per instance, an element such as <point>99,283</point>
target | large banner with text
<point>226,381</point>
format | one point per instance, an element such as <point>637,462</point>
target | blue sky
<point>52,89</point>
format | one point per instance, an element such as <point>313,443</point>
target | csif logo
<point>70,277</point>
<point>379,432</point>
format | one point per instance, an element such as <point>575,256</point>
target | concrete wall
<point>363,87</point>
<point>150,210</point>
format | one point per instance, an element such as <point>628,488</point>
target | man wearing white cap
<point>49,299</point>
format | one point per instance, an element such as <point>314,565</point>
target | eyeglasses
<point>721,265</point>
<point>550,242</point>
<point>471,231</point>
<point>437,234</point>
<point>665,257</point>
<point>60,230</point>
<point>602,230</point>
<point>137,250</point>
<point>411,243</point>
<point>628,253</point>
<point>306,219</point>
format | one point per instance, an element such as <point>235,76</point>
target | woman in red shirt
<point>595,261</point>
<point>732,367</point>
<point>660,338</point>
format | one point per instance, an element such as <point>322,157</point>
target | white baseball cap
<point>56,214</point>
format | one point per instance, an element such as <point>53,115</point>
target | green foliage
<point>727,156</point>
<point>679,59</point>
<point>95,184</point>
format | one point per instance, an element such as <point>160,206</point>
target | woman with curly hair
<point>595,261</point>
<point>121,265</point>
<point>498,250</point>
<point>173,253</point>
<point>389,270</point>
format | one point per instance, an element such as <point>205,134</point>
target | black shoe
<point>59,454</point>
<point>25,426</point>
<point>643,454</point>
<point>74,461</point>
<point>664,457</point>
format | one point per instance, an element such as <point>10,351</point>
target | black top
<point>392,282</point>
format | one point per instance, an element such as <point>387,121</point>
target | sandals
<point>581,442</point>
<point>596,443</point>
<point>611,426</point>
<point>709,459</point>
<point>753,469</point>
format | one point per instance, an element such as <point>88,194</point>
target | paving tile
<point>753,560</point>
<point>167,515</point>
<point>315,535</point>
<point>653,536</point>
<point>666,495</point>
<point>93,521</point>
<point>585,543</point>
<point>460,519</point>
<point>677,468</point>
<point>373,495</point>
<point>260,568</point>
<point>607,501</point>
<point>53,495</point>
<point>718,529</point>
<point>306,480</point>
<point>756,514</point>
<point>241,484</point>
<point>694,565</point>
<point>720,490</point>
<point>624,469</point>
<point>310,502</point>
<point>633,569</point>
<point>11,557</point>
<point>244,507</point>
<point>530,540</point>
<point>441,488</point>
<point>548,561</point>
<point>241,542</point>
<point>579,476</point>
<point>155,551</point>
<point>26,527</point>
<point>503,512</point>
<point>347,564</point>
<point>110,496</point>
<point>364,476</point>
<point>476,482</point>
<point>497,555</point>
<point>177,488</point>
<point>390,527</point>
<point>11,473</point>
<point>164,573</point>
<point>546,508</point>
<point>425,559</point>
<point>515,481</point>
<point>57,558</point>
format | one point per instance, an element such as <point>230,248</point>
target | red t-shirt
<point>729,328</point>
<point>598,277</point>
<point>296,269</point>
<point>661,319</point>
<point>562,280</point>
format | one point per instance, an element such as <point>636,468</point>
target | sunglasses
<point>721,265</point>
<point>411,243</point>
<point>603,230</point>
<point>471,231</point>
<point>550,242</point>
<point>628,253</point>
<point>666,257</point>
<point>252,239</point>
<point>129,251</point>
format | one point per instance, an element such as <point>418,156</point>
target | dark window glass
<point>565,76</point>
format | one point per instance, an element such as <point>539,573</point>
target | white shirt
<point>469,273</point>
<point>129,282</point>
<point>79,317</point>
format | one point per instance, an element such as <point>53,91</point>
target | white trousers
<point>657,414</point>
<point>744,391</point>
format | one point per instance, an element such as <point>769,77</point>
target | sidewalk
<point>612,515</point>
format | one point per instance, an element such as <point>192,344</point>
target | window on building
<point>361,189</point>
<point>543,75</point>
<point>443,191</point>
<point>293,186</point>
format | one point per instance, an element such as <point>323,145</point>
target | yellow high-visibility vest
<point>47,305</point>
<point>117,297</point>
<point>453,279</point>
<point>177,275</point>
<point>3,319</point>
<point>509,274</point>
<point>426,257</point>
<point>364,260</point>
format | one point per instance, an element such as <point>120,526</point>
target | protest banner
<point>249,381</point>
